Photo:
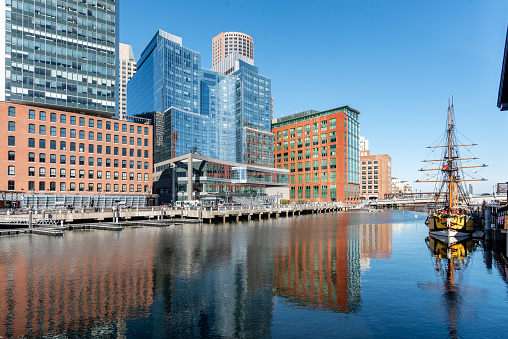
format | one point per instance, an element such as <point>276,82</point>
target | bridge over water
<point>427,201</point>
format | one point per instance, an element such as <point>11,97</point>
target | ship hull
<point>451,228</point>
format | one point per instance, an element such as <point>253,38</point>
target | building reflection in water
<point>78,286</point>
<point>321,268</point>
<point>213,281</point>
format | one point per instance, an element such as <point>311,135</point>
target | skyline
<point>397,63</point>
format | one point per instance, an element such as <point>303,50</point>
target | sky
<point>395,61</point>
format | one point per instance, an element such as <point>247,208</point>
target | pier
<point>55,221</point>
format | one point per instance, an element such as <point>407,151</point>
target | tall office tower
<point>60,54</point>
<point>205,112</point>
<point>127,68</point>
<point>320,149</point>
<point>226,43</point>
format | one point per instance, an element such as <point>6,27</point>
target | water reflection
<point>450,260</point>
<point>82,285</point>
<point>321,267</point>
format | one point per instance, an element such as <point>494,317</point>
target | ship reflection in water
<point>450,261</point>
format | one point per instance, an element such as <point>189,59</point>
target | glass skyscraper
<point>60,54</point>
<point>205,112</point>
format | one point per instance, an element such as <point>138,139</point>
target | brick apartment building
<point>376,180</point>
<point>321,151</point>
<point>62,153</point>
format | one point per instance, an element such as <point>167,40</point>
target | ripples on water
<point>323,275</point>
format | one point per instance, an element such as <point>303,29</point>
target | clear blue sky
<point>396,61</point>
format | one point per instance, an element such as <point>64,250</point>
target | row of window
<point>317,192</point>
<point>11,141</point>
<point>81,174</point>
<point>80,187</point>
<point>315,154</point>
<point>316,139</point>
<point>92,122</point>
<point>316,127</point>
<point>80,134</point>
<point>313,177</point>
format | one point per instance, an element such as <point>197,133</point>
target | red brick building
<point>376,180</point>
<point>321,151</point>
<point>59,152</point>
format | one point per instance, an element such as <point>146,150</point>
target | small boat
<point>453,220</point>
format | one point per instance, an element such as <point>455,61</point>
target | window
<point>31,128</point>
<point>124,140</point>
<point>52,186</point>
<point>63,146</point>
<point>81,187</point>
<point>90,148</point>
<point>116,126</point>
<point>124,128</point>
<point>42,130</point>
<point>81,161</point>
<point>62,187</point>
<point>81,147</point>
<point>131,128</point>
<point>52,117</point>
<point>31,142</point>
<point>31,157</point>
<point>99,136</point>
<point>42,143</point>
<point>11,155</point>
<point>90,135</point>
<point>62,173</point>
<point>11,141</point>
<point>63,132</point>
<point>42,172</point>
<point>72,187</point>
<point>72,147</point>
<point>10,185</point>
<point>81,121</point>
<point>99,124</point>
<point>146,130</point>
<point>12,126</point>
<point>90,174</point>
<point>62,159</point>
<point>63,118</point>
<point>52,144</point>
<point>72,160</point>
<point>115,139</point>
<point>31,185</point>
<point>90,161</point>
<point>31,114</point>
<point>131,141</point>
<point>11,170</point>
<point>81,174</point>
<point>73,120</point>
<point>90,187</point>
<point>108,125</point>
<point>31,171</point>
<point>90,123</point>
<point>72,173</point>
<point>42,186</point>
<point>108,137</point>
<point>12,111</point>
<point>324,125</point>
<point>52,131</point>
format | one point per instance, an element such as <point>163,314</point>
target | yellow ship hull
<point>455,225</point>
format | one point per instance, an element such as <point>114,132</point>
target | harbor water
<point>330,275</point>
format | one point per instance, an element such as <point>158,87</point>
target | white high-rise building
<point>363,144</point>
<point>127,68</point>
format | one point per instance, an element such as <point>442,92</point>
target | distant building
<point>227,43</point>
<point>320,149</point>
<point>376,174</point>
<point>401,186</point>
<point>127,68</point>
<point>60,56</point>
<point>364,144</point>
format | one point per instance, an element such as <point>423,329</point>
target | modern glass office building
<point>206,113</point>
<point>60,54</point>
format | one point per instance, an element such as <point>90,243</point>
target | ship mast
<point>450,167</point>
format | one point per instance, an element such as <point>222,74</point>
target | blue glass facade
<point>204,113</point>
<point>60,53</point>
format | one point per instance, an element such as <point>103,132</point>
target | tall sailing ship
<point>451,218</point>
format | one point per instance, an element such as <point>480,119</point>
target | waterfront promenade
<point>60,217</point>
